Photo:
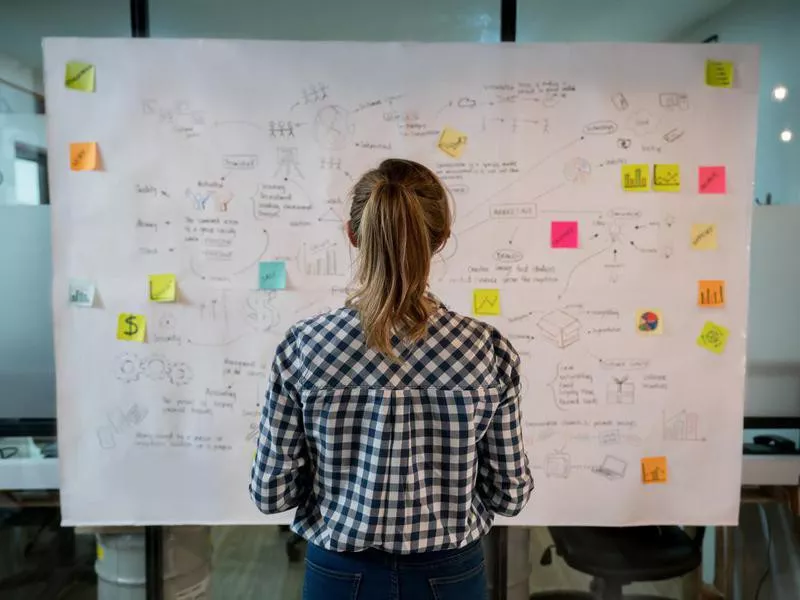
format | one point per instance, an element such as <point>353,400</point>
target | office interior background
<point>38,559</point>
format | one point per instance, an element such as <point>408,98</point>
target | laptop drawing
<point>612,468</point>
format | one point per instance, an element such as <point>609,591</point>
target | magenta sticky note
<point>564,234</point>
<point>711,180</point>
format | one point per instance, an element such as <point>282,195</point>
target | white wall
<point>775,26</point>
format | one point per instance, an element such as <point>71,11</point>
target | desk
<point>29,474</point>
<point>766,469</point>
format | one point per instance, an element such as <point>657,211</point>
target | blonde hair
<point>400,217</point>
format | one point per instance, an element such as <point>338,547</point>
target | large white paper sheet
<point>216,156</point>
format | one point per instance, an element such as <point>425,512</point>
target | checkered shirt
<point>408,455</point>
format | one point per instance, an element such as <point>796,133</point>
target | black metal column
<point>508,33</point>
<point>140,18</point>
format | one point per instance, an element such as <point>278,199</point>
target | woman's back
<point>395,442</point>
<point>393,424</point>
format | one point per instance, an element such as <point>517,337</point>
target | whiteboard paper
<point>594,187</point>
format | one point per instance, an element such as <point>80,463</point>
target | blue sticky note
<point>272,275</point>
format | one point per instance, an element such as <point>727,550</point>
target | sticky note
<point>486,302</point>
<point>711,180</point>
<point>272,275</point>
<point>719,73</point>
<point>79,76</point>
<point>635,178</point>
<point>564,234</point>
<point>649,322</point>
<point>704,236</point>
<point>81,293</point>
<point>713,338</point>
<point>654,470</point>
<point>711,293</point>
<point>452,142</point>
<point>162,288</point>
<point>667,178</point>
<point>131,328</point>
<point>83,156</point>
<point>101,553</point>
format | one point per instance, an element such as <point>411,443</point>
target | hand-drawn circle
<point>577,170</point>
<point>127,368</point>
<point>180,373</point>
<point>508,255</point>
<point>155,368</point>
<point>332,127</point>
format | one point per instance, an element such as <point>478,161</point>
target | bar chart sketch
<point>320,261</point>
<point>682,427</point>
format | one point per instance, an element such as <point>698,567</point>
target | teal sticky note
<point>272,275</point>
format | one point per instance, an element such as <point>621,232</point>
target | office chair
<point>617,556</point>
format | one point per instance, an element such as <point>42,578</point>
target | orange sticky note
<point>711,292</point>
<point>83,156</point>
<point>654,470</point>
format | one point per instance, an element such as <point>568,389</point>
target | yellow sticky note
<point>635,178</point>
<point>667,178</point>
<point>162,288</point>
<point>83,156</point>
<point>713,338</point>
<point>719,73</point>
<point>704,236</point>
<point>486,302</point>
<point>452,142</point>
<point>101,554</point>
<point>79,76</point>
<point>131,328</point>
<point>711,293</point>
<point>654,470</point>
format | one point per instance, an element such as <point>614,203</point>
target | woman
<point>393,424</point>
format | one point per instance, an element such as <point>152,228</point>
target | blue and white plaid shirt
<point>406,455</point>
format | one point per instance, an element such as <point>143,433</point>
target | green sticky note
<point>719,73</point>
<point>272,275</point>
<point>713,338</point>
<point>163,288</point>
<point>79,76</point>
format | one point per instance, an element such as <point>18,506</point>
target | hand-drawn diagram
<point>558,464</point>
<point>621,391</point>
<point>560,329</point>
<point>130,367</point>
<point>332,127</point>
<point>683,426</point>
<point>612,468</point>
<point>224,181</point>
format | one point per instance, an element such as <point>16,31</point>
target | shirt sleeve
<point>504,478</point>
<point>280,478</point>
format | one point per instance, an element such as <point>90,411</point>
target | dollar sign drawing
<point>133,328</point>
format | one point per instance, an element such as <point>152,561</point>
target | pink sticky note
<point>711,180</point>
<point>564,234</point>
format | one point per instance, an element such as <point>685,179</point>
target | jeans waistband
<point>373,555</point>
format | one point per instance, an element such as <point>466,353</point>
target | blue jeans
<point>375,575</point>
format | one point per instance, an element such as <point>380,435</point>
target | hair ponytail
<point>400,218</point>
